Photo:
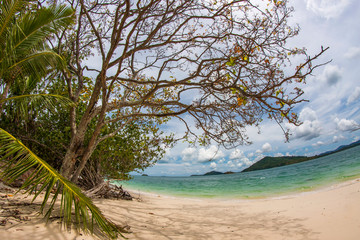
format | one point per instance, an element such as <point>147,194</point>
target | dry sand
<point>327,214</point>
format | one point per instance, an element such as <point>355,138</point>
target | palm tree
<point>23,49</point>
<point>25,55</point>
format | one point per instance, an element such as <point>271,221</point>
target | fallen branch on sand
<point>107,190</point>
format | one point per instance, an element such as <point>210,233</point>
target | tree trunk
<point>78,134</point>
<point>89,149</point>
<point>68,164</point>
<point>84,159</point>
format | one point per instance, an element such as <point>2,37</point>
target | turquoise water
<point>305,176</point>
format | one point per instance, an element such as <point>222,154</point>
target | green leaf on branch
<point>231,62</point>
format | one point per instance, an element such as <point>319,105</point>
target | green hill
<point>271,162</point>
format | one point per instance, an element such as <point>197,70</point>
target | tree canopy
<point>224,64</point>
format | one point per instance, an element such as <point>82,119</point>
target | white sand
<point>328,214</point>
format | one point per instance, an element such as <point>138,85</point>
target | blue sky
<point>330,119</point>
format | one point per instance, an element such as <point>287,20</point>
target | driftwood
<point>107,190</point>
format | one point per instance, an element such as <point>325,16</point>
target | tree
<point>225,64</point>
<point>24,56</point>
<point>135,148</point>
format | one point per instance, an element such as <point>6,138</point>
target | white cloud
<point>308,130</point>
<point>213,165</point>
<point>319,143</point>
<point>266,147</point>
<point>211,153</point>
<point>355,95</point>
<point>338,138</point>
<point>222,160</point>
<point>230,164</point>
<point>331,74</point>
<point>353,52</point>
<point>279,155</point>
<point>327,8</point>
<point>308,114</point>
<point>245,162</point>
<point>311,127</point>
<point>347,125</point>
<point>168,157</point>
<point>236,154</point>
<point>188,153</point>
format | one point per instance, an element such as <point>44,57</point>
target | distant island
<point>208,174</point>
<point>272,162</point>
<point>212,173</point>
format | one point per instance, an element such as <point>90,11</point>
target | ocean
<point>274,182</point>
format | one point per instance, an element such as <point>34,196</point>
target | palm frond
<point>34,28</point>
<point>23,104</point>
<point>37,63</point>
<point>23,34</point>
<point>8,9</point>
<point>17,159</point>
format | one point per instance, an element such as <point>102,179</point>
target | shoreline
<point>319,188</point>
<point>152,195</point>
<point>330,213</point>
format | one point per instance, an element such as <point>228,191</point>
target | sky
<point>331,117</point>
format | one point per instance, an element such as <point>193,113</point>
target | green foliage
<point>134,148</point>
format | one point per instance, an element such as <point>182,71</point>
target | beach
<point>331,213</point>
